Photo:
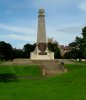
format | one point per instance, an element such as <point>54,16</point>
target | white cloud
<point>65,38</point>
<point>17,41</point>
<point>82,6</point>
<point>65,34</point>
<point>50,2</point>
<point>18,37</point>
<point>71,29</point>
<point>23,30</point>
<point>21,37</point>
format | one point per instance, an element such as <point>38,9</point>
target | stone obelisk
<point>41,51</point>
<point>41,33</point>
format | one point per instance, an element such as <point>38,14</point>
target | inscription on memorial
<point>42,53</point>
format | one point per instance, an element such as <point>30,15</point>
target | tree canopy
<point>78,47</point>
<point>54,48</point>
<point>6,51</point>
<point>28,48</point>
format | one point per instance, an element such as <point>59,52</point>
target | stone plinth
<point>37,56</point>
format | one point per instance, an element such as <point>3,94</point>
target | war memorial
<point>41,51</point>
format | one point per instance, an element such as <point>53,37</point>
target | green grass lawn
<point>68,86</point>
<point>31,70</point>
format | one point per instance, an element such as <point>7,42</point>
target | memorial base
<point>49,56</point>
<point>36,55</point>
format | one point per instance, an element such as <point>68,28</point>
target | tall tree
<point>84,41</point>
<point>6,51</point>
<point>78,47</point>
<point>54,48</point>
<point>29,48</point>
<point>18,53</point>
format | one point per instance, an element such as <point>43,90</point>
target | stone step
<point>51,68</point>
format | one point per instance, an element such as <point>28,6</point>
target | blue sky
<point>19,19</point>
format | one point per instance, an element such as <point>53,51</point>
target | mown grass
<point>31,70</point>
<point>68,86</point>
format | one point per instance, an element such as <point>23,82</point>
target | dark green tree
<point>28,48</point>
<point>78,47</point>
<point>18,53</point>
<point>6,51</point>
<point>84,41</point>
<point>54,48</point>
<point>67,55</point>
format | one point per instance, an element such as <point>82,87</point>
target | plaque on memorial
<point>42,47</point>
<point>42,53</point>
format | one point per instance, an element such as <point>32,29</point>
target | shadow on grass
<point>8,77</point>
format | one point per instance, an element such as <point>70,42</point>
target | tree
<point>78,47</point>
<point>84,41</point>
<point>54,48</point>
<point>84,32</point>
<point>18,53</point>
<point>6,51</point>
<point>78,43</point>
<point>28,48</point>
<point>67,55</point>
